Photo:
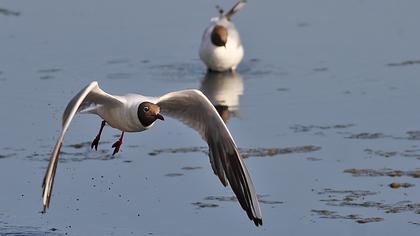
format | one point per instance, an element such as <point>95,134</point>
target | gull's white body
<point>124,117</point>
<point>221,58</point>
<point>189,106</point>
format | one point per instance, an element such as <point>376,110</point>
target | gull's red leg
<point>117,144</point>
<point>98,137</point>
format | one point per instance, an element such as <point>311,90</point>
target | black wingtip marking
<point>258,222</point>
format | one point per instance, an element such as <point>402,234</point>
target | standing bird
<point>135,113</point>
<point>221,48</point>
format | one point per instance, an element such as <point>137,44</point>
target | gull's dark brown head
<point>219,36</point>
<point>148,113</point>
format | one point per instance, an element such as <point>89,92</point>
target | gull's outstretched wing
<point>238,6</point>
<point>196,111</point>
<point>88,96</point>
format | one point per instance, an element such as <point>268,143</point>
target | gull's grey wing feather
<point>90,95</point>
<point>194,109</point>
<point>238,6</point>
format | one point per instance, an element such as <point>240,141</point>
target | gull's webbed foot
<point>95,142</point>
<point>117,144</point>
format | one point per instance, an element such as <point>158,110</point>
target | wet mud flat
<point>215,201</point>
<point>404,63</point>
<point>22,230</point>
<point>353,199</point>
<point>392,192</point>
<point>8,12</point>
<point>245,152</point>
<point>382,172</point>
<point>326,214</point>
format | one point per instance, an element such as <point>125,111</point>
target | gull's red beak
<point>159,116</point>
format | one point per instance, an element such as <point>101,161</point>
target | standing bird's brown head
<point>219,36</point>
<point>148,113</point>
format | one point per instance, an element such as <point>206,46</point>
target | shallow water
<point>324,108</point>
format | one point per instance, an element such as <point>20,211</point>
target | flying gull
<point>136,113</point>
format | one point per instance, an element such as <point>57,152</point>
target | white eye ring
<point>146,109</point>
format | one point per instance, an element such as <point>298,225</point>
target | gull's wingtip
<point>45,205</point>
<point>258,222</point>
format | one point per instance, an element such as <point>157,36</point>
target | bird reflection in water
<point>224,90</point>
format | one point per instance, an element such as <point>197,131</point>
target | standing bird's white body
<point>135,113</point>
<point>221,48</point>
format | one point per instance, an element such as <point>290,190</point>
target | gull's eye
<point>146,109</point>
